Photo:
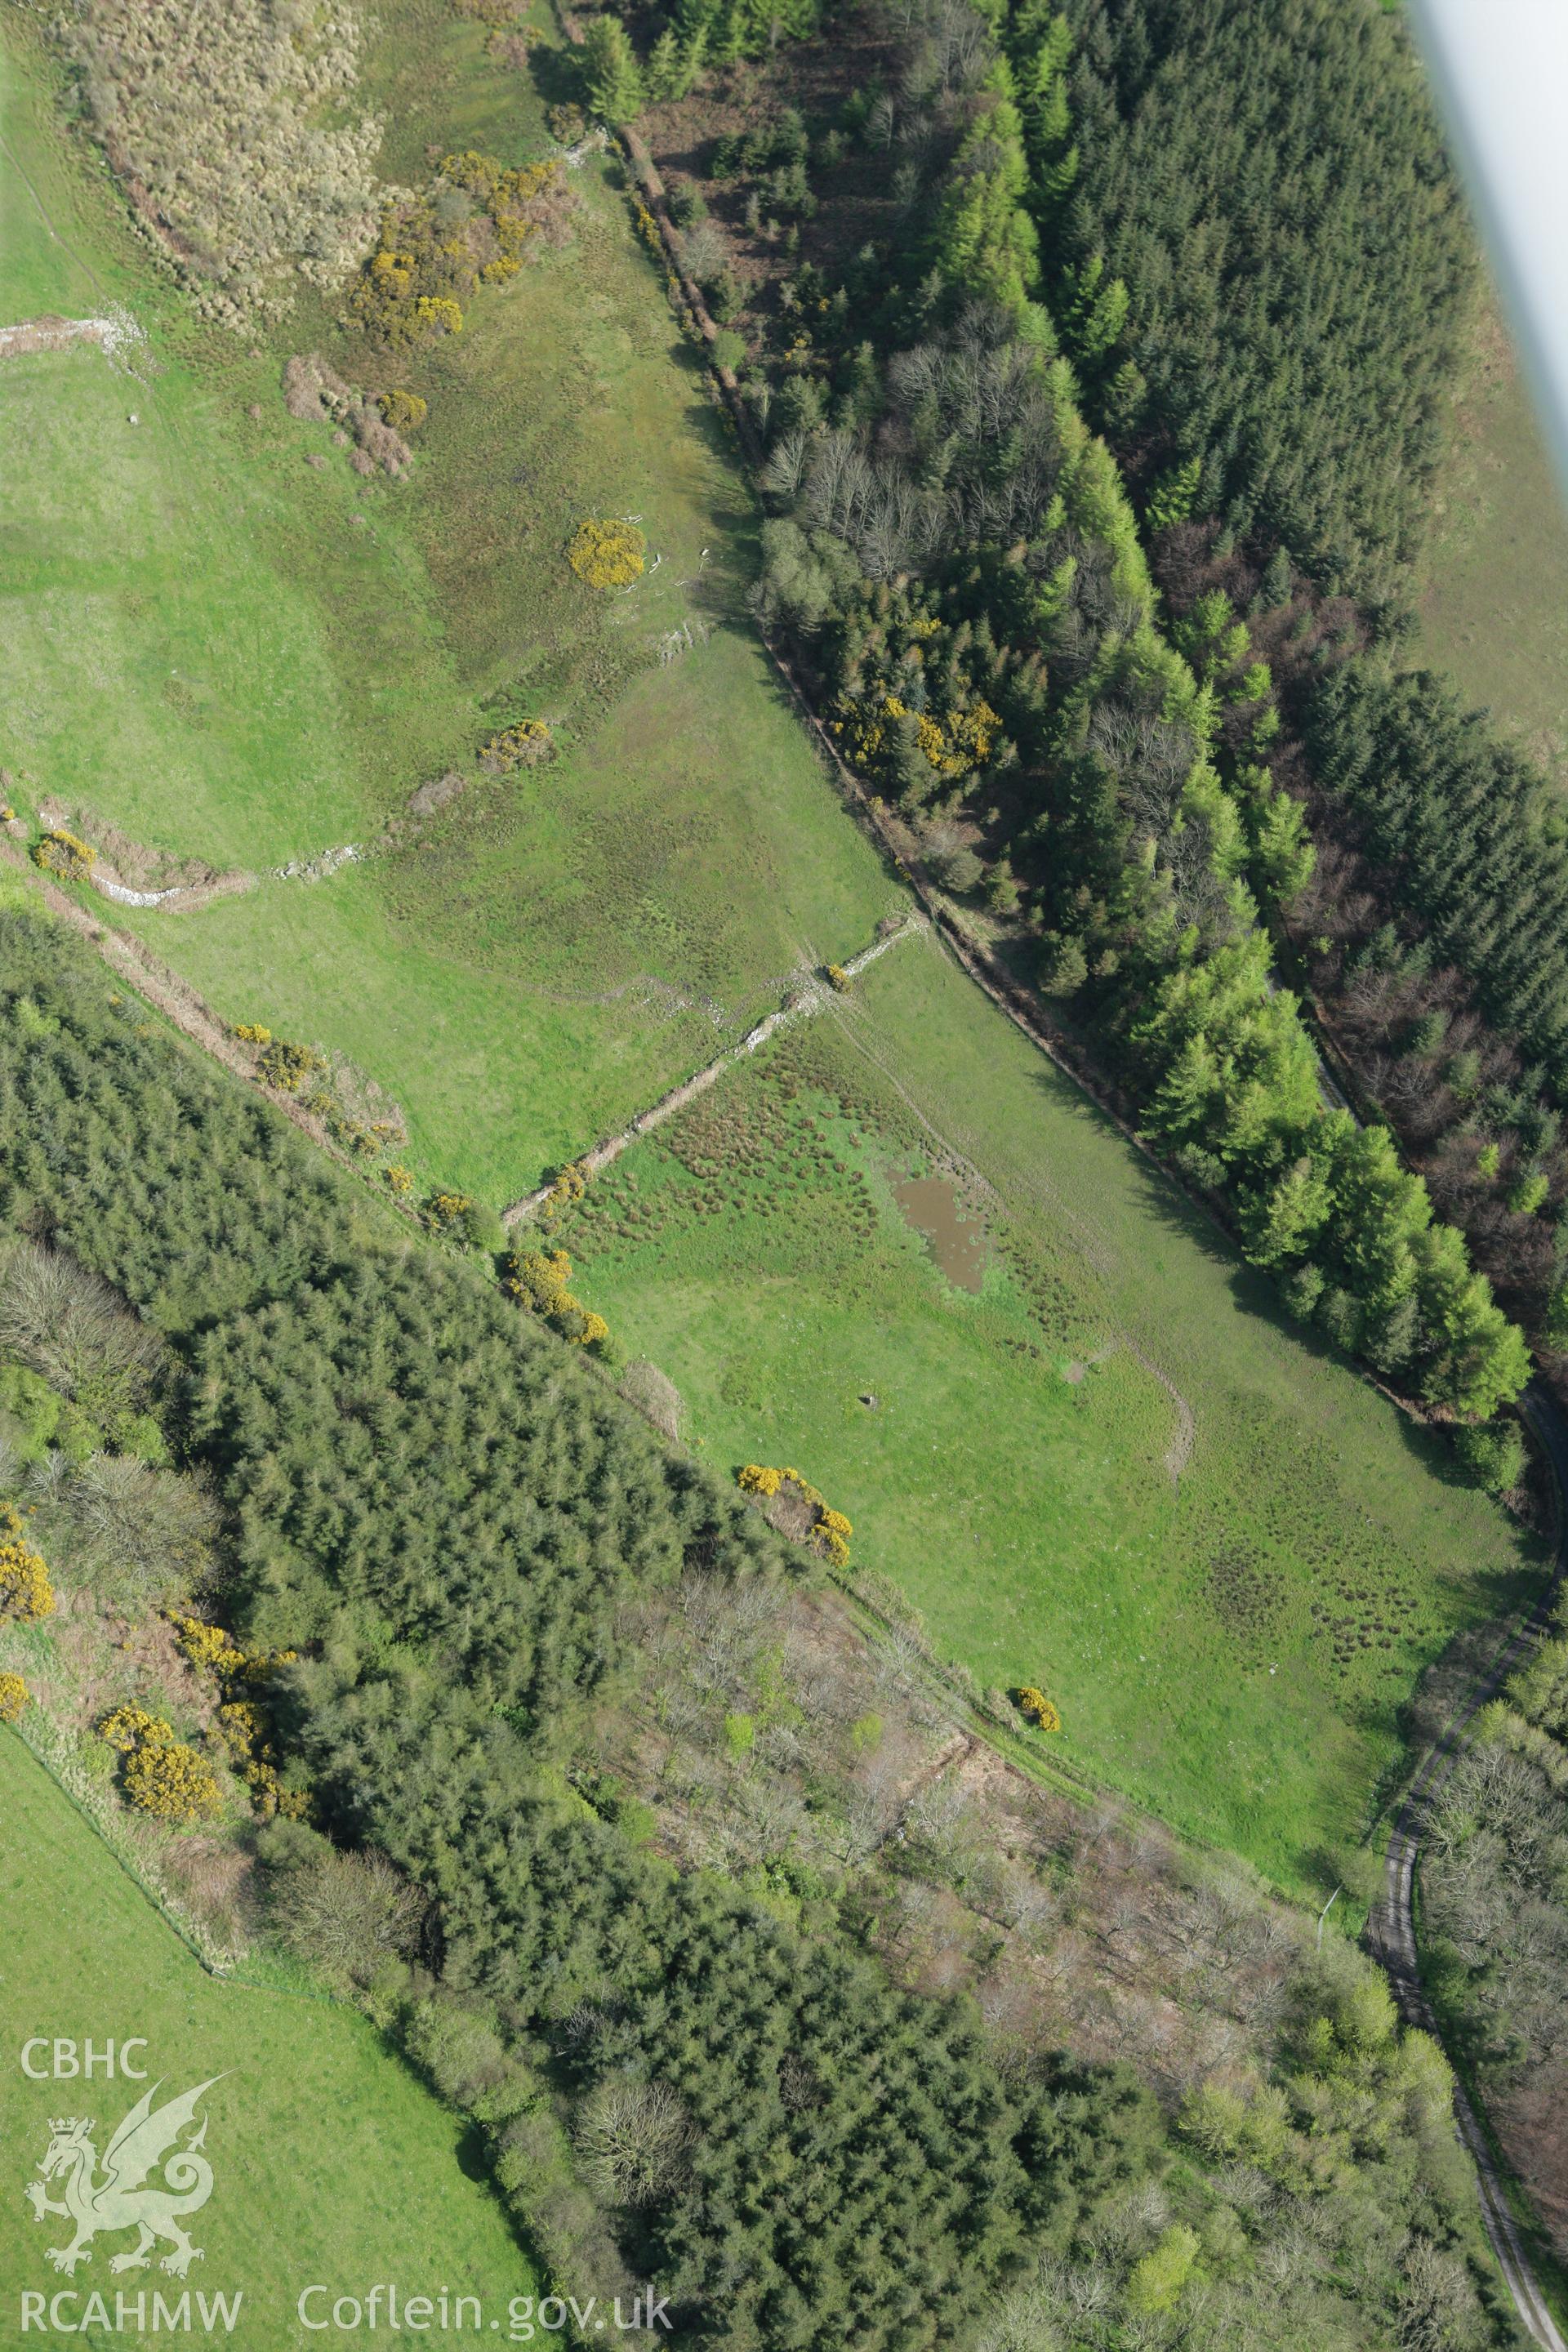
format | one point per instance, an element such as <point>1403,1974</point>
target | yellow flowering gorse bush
<point>13,1698</point>
<point>1036,1709</point>
<point>241,1719</point>
<point>25,1592</point>
<point>286,1066</point>
<point>431,256</point>
<point>607,554</point>
<point>523,745</point>
<point>161,1775</point>
<point>171,1781</point>
<point>569,1186</point>
<point>404,411</point>
<point>65,853</point>
<point>128,1728</point>
<point>537,1279</point>
<point>955,746</point>
<point>830,1531</point>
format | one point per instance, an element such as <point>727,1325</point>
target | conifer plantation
<point>1269,189</point>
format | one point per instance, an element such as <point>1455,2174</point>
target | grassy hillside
<point>330,2165</point>
<point>1494,611</point>
<point>1113,1470</point>
<point>236,656</point>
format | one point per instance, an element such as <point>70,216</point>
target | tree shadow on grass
<point>557,74</point>
<point>783,699</point>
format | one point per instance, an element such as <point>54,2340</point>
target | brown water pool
<point>935,1208</point>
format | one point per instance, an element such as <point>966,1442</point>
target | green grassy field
<point>1494,608</point>
<point>237,657</point>
<point>330,2165</point>
<point>558,948</point>
<point>1232,1644</point>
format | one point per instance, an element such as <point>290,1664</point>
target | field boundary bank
<point>808,997</point>
<point>146,1885</point>
<point>178,1002</point>
<point>50,333</point>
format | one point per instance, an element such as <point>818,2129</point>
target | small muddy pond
<point>957,1236</point>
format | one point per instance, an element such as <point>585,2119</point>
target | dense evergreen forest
<point>457,1525</point>
<point>1269,187</point>
<point>1430,931</point>
<point>1265,275</point>
<point>957,565</point>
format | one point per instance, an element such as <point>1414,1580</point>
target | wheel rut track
<point>1391,1929</point>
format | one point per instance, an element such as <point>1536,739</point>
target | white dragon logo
<point>141,2142</point>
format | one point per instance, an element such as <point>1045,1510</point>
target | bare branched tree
<point>63,1323</point>
<point>634,2138</point>
<point>349,1913</point>
<point>147,1534</point>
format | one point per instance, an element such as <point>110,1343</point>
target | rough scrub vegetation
<point>1495,1915</point>
<point>226,125</point>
